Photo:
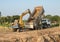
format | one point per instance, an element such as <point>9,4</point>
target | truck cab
<point>46,23</point>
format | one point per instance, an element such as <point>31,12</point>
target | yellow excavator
<point>34,20</point>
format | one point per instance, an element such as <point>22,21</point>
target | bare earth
<point>44,35</point>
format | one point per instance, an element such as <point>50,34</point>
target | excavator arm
<point>21,16</point>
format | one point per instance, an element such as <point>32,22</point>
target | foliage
<point>53,18</point>
<point>9,19</point>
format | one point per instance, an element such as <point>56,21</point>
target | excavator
<point>34,20</point>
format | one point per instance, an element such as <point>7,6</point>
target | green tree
<point>48,16</point>
<point>56,18</point>
<point>15,17</point>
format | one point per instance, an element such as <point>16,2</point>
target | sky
<point>16,7</point>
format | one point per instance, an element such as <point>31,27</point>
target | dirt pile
<point>46,35</point>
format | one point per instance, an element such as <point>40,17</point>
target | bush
<point>55,25</point>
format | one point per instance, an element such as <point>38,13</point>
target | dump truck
<point>34,20</point>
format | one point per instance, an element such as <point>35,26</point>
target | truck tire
<point>49,26</point>
<point>35,28</point>
<point>14,29</point>
<point>21,29</point>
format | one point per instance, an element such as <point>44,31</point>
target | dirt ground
<point>44,35</point>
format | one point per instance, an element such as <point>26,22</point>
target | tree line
<point>9,19</point>
<point>55,18</point>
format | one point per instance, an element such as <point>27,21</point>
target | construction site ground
<point>44,35</point>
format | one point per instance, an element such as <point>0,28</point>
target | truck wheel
<point>14,29</point>
<point>35,28</point>
<point>20,29</point>
<point>48,26</point>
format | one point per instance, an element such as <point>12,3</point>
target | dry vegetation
<point>5,29</point>
<point>46,35</point>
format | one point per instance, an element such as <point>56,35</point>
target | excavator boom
<point>21,16</point>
